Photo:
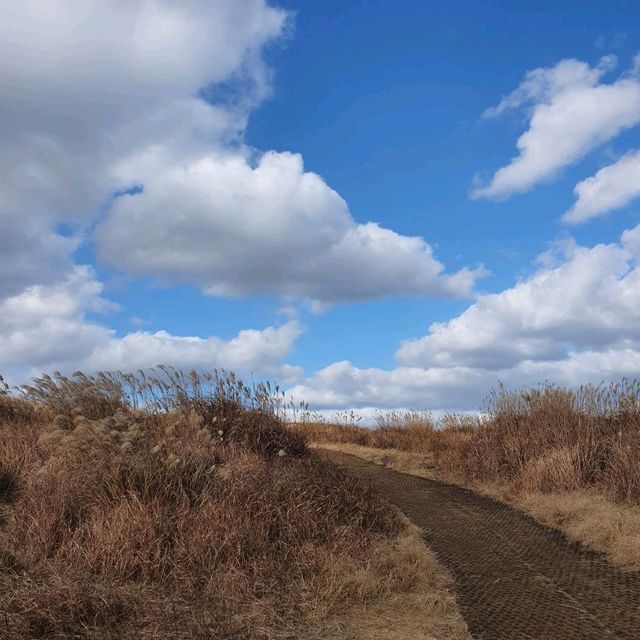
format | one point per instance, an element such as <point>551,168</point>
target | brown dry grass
<point>412,432</point>
<point>555,440</point>
<point>207,519</point>
<point>425,608</point>
<point>571,458</point>
<point>416,464</point>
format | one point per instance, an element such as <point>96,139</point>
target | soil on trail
<point>515,579</point>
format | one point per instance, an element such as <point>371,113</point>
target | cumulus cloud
<point>143,51</point>
<point>612,187</point>
<point>575,320</point>
<point>85,84</point>
<point>237,227</point>
<point>106,96</point>
<point>78,74</point>
<point>45,327</point>
<point>251,351</point>
<point>345,386</point>
<point>592,297</point>
<point>109,97</point>
<point>570,111</point>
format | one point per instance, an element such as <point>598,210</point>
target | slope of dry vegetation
<point>200,516</point>
<point>571,458</point>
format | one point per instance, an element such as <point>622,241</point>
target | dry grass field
<point>178,506</point>
<point>570,458</point>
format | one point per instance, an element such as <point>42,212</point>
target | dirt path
<point>515,579</point>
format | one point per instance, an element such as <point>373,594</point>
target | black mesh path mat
<point>515,579</point>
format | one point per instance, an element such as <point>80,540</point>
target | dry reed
<point>186,511</point>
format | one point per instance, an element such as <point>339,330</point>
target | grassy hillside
<point>199,516</point>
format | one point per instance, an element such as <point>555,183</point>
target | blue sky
<point>228,254</point>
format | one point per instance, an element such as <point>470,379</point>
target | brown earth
<point>515,579</point>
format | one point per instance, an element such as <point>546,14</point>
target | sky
<point>379,204</point>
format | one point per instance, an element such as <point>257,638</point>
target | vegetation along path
<point>515,579</point>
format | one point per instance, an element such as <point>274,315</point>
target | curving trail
<point>515,579</point>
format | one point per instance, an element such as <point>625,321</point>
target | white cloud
<point>610,188</point>
<point>77,75</point>
<point>251,351</point>
<point>576,320</point>
<point>571,112</point>
<point>344,386</point>
<point>103,96</point>
<point>590,298</point>
<point>46,328</point>
<point>127,52</point>
<point>237,227</point>
<point>84,82</point>
<point>31,252</point>
<point>630,240</point>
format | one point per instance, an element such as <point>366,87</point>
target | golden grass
<point>417,436</point>
<point>591,520</point>
<point>416,464</point>
<point>206,518</point>
<point>412,595</point>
